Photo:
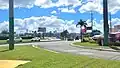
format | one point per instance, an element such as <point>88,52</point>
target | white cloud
<point>4,26</point>
<point>114,6</point>
<point>54,12</point>
<point>71,10</point>
<point>4,4</point>
<point>49,3</point>
<point>41,3</point>
<point>51,23</point>
<point>44,3</point>
<point>68,2</point>
<point>115,21</point>
<point>97,5</point>
<point>91,6</point>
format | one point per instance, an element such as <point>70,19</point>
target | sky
<point>57,14</point>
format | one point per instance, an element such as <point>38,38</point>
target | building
<point>117,28</point>
<point>113,29</point>
<point>42,29</point>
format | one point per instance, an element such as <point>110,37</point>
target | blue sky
<point>64,11</point>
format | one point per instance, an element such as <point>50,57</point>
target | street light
<point>106,27</point>
<point>11,24</point>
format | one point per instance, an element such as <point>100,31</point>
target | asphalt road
<point>64,46</point>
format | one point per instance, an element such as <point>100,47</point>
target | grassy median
<point>43,59</point>
<point>86,44</point>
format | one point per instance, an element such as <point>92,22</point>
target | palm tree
<point>81,23</point>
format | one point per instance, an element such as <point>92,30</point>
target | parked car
<point>35,39</point>
<point>112,38</point>
<point>16,39</point>
<point>95,37</point>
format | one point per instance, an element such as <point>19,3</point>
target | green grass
<point>3,41</point>
<point>26,40</point>
<point>86,44</point>
<point>44,59</point>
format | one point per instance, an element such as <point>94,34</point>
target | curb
<point>94,48</point>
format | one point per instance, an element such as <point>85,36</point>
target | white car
<point>16,39</point>
<point>95,37</point>
<point>35,39</point>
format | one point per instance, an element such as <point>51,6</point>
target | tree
<point>81,23</point>
<point>4,32</point>
<point>64,34</point>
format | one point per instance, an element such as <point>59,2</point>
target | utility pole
<point>106,27</point>
<point>91,13</point>
<point>110,23</point>
<point>11,24</point>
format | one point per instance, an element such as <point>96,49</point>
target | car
<point>35,39</point>
<point>112,38</point>
<point>16,39</point>
<point>95,37</point>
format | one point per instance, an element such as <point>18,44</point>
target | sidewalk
<point>101,48</point>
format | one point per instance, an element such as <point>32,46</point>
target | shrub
<point>86,40</point>
<point>114,43</point>
<point>92,41</point>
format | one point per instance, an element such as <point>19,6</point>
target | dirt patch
<point>11,63</point>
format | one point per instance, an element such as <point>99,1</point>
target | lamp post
<point>11,24</point>
<point>106,27</point>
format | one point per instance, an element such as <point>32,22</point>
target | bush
<point>86,40</point>
<point>4,37</point>
<point>114,44</point>
<point>92,41</point>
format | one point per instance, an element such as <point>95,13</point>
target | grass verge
<point>44,59</point>
<point>3,41</point>
<point>86,44</point>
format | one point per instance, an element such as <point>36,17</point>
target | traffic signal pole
<point>11,24</point>
<point>106,26</point>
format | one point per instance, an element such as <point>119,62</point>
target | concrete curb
<point>100,49</point>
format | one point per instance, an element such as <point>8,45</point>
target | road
<point>64,46</point>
